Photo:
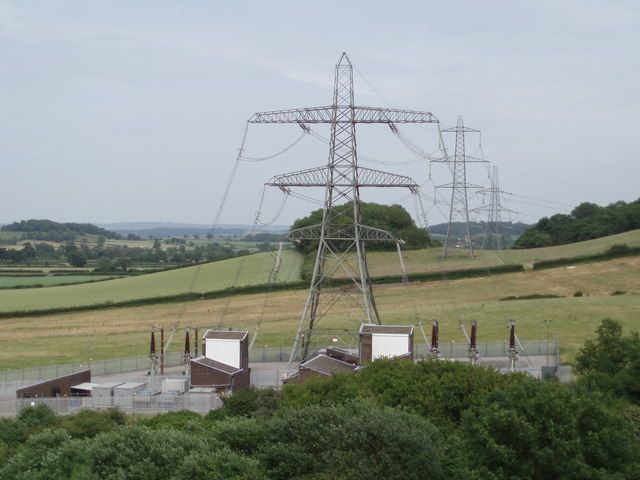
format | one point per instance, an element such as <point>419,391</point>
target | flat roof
<point>226,334</point>
<point>389,329</point>
<point>108,384</point>
<point>130,385</point>
<point>202,390</point>
<point>88,386</point>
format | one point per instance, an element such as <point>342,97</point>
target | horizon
<point>126,112</point>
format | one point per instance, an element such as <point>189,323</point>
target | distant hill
<point>172,229</point>
<point>49,230</point>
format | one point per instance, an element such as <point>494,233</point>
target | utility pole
<point>459,208</point>
<point>341,236</point>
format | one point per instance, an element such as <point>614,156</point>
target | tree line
<point>394,420</point>
<point>585,222</point>
<point>392,218</point>
<point>55,231</point>
<point>116,257</point>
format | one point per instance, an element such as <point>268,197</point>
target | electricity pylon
<point>341,235</point>
<point>493,233</point>
<point>459,186</point>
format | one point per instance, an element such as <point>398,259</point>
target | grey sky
<point>133,110</point>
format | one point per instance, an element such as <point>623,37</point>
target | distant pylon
<point>459,186</point>
<point>493,234</point>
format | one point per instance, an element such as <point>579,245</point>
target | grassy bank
<point>124,331</point>
<point>240,271</point>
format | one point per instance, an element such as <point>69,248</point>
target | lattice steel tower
<point>459,186</point>
<point>493,232</point>
<point>341,235</point>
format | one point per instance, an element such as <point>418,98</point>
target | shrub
<point>578,293</point>
<point>88,424</point>
<point>37,417</point>
<point>356,440</point>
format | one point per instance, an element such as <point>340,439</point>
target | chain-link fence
<point>257,355</point>
<point>539,348</point>
<point>140,404</point>
<point>98,367</point>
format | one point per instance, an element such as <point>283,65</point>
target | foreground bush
<point>393,420</point>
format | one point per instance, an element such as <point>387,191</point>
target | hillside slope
<point>125,331</point>
<point>428,260</point>
<point>247,270</point>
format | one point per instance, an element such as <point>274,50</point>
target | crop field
<point>247,270</point>
<point>124,331</point>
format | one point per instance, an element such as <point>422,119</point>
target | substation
<point>219,361</point>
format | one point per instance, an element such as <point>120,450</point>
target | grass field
<point>27,280</point>
<point>429,260</point>
<point>124,331</point>
<point>247,270</point>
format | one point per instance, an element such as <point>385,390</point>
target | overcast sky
<point>133,110</point>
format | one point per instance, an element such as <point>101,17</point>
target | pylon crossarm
<point>341,232</point>
<point>392,115</point>
<point>296,115</point>
<point>470,186</point>
<point>325,114</point>
<point>317,177</point>
<point>313,177</point>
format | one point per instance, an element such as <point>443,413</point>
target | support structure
<point>435,339</point>
<point>513,352</point>
<point>493,234</point>
<point>459,186</point>
<point>341,235</point>
<point>472,341</point>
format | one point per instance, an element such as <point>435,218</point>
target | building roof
<point>223,367</point>
<point>130,385</point>
<point>389,329</point>
<point>226,334</point>
<point>202,390</point>
<point>108,384</point>
<point>84,386</point>
<point>343,350</point>
<point>327,365</point>
<point>50,380</point>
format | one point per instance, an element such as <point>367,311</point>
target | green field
<point>247,270</point>
<point>117,332</point>
<point>123,331</point>
<point>29,281</point>
<point>429,260</point>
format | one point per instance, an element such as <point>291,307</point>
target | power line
<point>340,235</point>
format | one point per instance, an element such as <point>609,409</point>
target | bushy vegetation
<point>611,362</point>
<point>585,222</point>
<point>392,218</point>
<point>116,258</point>
<point>393,420</point>
<point>55,231</point>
